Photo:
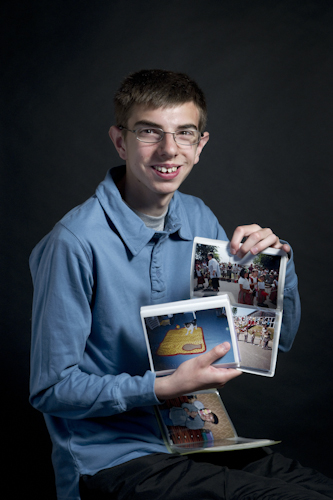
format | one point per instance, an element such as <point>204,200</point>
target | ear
<point>118,140</point>
<point>203,141</point>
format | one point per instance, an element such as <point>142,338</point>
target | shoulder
<point>70,237</point>
<point>191,203</point>
<point>189,406</point>
<point>83,218</point>
<point>200,217</point>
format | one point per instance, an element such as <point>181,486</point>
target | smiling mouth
<point>165,170</point>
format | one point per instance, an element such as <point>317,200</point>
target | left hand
<point>257,240</point>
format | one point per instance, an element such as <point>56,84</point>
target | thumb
<point>214,354</point>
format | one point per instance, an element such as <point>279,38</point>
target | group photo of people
<point>258,332</point>
<point>255,335</point>
<point>254,283</point>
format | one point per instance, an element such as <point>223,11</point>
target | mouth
<point>165,170</point>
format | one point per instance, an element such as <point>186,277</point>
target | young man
<point>89,366</point>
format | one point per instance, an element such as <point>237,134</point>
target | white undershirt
<point>156,223</point>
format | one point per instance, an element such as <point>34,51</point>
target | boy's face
<point>206,415</point>
<point>144,161</point>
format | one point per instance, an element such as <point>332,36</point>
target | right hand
<point>196,374</point>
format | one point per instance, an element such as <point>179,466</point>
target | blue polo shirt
<point>89,366</point>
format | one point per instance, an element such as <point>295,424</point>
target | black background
<point>266,69</point>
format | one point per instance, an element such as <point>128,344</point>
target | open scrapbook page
<point>199,422</point>
<point>177,331</point>
<point>255,286</point>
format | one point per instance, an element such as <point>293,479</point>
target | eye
<point>149,131</point>
<point>186,132</point>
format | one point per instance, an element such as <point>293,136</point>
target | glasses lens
<point>187,137</point>
<point>149,134</point>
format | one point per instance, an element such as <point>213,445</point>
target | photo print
<point>198,422</point>
<point>257,333</point>
<point>256,281</point>
<point>178,331</point>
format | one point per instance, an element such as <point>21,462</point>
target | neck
<point>153,204</point>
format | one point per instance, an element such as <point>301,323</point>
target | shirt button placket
<point>156,271</point>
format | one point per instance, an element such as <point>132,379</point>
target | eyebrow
<point>156,125</point>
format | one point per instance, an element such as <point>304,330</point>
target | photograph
<point>182,330</point>
<point>254,280</point>
<point>199,421</point>
<point>257,333</point>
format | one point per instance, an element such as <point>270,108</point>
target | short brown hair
<point>157,88</point>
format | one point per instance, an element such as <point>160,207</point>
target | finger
<point>271,240</point>
<point>208,358</point>
<point>259,241</point>
<point>240,233</point>
<point>283,246</point>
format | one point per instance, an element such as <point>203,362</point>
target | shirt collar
<point>130,227</point>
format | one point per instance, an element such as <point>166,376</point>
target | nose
<point>168,145</point>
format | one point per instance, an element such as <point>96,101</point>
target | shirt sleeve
<point>291,307</point>
<point>61,324</point>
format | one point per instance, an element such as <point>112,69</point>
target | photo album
<point>199,422</point>
<point>254,285</point>
<point>235,300</point>
<point>238,300</point>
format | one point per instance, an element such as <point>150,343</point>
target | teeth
<point>165,170</point>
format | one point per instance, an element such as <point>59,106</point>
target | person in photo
<point>190,415</point>
<point>245,293</point>
<point>214,271</point>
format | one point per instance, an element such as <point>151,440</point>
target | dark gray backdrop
<point>266,69</point>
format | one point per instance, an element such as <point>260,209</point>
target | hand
<point>257,240</point>
<point>196,374</point>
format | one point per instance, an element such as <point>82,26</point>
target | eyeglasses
<point>152,135</point>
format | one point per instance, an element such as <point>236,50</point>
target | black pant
<point>215,283</point>
<point>173,477</point>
